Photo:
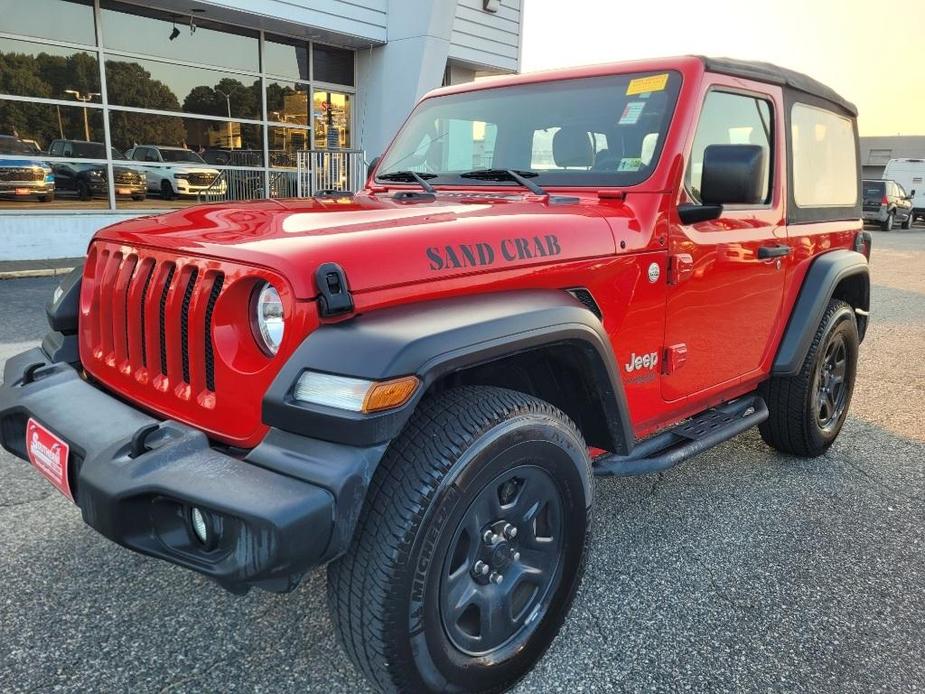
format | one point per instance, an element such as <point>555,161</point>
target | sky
<point>872,53</point>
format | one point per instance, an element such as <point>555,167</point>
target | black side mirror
<point>372,166</point>
<point>732,175</point>
<point>911,194</point>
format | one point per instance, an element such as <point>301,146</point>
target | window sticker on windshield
<point>630,164</point>
<point>632,112</point>
<point>654,83</point>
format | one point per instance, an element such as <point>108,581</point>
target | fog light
<point>202,528</point>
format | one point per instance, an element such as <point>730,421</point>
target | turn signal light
<point>389,394</point>
<point>354,394</point>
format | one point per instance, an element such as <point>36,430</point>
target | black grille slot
<point>184,323</point>
<point>144,300</point>
<point>128,287</point>
<point>209,354</point>
<point>163,318</point>
<point>584,296</point>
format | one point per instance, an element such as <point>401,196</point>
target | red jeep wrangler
<point>550,277</point>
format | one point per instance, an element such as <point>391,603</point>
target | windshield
<point>10,145</point>
<point>93,150</point>
<point>181,155</point>
<point>597,131</point>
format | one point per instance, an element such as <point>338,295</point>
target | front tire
<point>470,546</point>
<point>807,411</point>
<point>167,190</point>
<point>907,223</point>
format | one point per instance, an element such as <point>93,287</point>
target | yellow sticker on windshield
<point>641,85</point>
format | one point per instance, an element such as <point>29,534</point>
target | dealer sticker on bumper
<point>49,454</point>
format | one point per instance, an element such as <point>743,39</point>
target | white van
<point>910,174</point>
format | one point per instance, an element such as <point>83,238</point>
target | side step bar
<point>687,439</point>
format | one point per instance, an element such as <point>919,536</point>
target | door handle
<point>765,252</point>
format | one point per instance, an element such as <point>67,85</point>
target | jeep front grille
<point>171,333</point>
<point>147,317</point>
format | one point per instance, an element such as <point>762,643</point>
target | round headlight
<point>268,318</point>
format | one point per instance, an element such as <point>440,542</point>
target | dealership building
<point>112,109</point>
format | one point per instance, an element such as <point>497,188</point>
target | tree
<point>129,84</point>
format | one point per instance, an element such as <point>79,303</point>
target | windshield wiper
<point>410,177</point>
<point>521,177</point>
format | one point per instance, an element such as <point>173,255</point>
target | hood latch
<point>334,292</point>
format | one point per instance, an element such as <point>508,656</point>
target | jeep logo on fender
<point>482,253</point>
<point>644,361</point>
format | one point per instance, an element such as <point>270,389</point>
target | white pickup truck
<point>177,171</point>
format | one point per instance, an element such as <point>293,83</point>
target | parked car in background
<point>92,180</point>
<point>910,174</point>
<point>885,203</point>
<point>23,179</point>
<point>177,171</point>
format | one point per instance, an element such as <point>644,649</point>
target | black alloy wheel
<point>503,562</point>
<point>831,391</point>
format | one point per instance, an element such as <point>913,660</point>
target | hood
<point>379,241</point>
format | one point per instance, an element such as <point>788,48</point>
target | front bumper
<point>287,505</point>
<point>25,189</point>
<point>184,187</point>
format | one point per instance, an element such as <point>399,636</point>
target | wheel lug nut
<point>488,537</point>
<point>480,568</point>
<point>516,556</point>
<point>495,577</point>
<point>510,531</point>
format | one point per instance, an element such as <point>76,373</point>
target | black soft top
<point>766,72</point>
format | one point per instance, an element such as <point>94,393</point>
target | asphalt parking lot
<point>743,570</point>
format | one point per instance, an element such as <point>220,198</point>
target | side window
<point>138,154</point>
<point>731,119</point>
<point>55,149</point>
<point>824,158</point>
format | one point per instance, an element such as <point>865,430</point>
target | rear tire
<point>807,411</point>
<point>419,599</point>
<point>888,224</point>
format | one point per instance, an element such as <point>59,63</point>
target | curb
<point>38,272</point>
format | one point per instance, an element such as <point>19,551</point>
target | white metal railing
<point>320,171</point>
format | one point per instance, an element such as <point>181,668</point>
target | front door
<point>724,295</point>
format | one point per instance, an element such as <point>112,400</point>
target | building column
<point>391,78</point>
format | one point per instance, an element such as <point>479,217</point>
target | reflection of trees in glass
<point>135,87</point>
<point>47,76</point>
<point>211,101</point>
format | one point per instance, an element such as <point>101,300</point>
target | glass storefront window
<point>168,87</point>
<point>50,72</point>
<point>162,34</point>
<point>287,102</point>
<point>72,19</point>
<point>285,57</point>
<point>284,143</point>
<point>333,65</point>
<point>38,124</point>
<point>186,95</point>
<point>331,113</point>
<point>195,139</point>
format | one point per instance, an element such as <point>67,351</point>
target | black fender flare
<point>819,286</point>
<point>433,339</point>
